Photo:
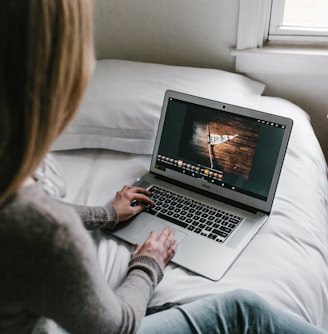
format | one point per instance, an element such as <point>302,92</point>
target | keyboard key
<point>172,220</point>
<point>225,229</point>
<point>220,233</point>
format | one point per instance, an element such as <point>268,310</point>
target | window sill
<point>282,60</point>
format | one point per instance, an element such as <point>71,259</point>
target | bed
<point>109,142</point>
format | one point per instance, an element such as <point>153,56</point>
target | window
<point>280,36</point>
<point>299,20</point>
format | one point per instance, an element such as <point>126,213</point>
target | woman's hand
<point>126,200</point>
<point>161,247</point>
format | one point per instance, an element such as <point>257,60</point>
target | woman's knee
<point>247,298</point>
<point>244,304</point>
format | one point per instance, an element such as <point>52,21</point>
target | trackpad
<point>158,227</point>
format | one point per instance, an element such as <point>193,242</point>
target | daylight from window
<point>306,13</point>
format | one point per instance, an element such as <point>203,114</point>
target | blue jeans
<point>235,312</point>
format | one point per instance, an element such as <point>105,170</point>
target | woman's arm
<point>121,209</point>
<point>70,288</point>
<point>97,217</point>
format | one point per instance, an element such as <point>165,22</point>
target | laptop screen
<point>230,151</point>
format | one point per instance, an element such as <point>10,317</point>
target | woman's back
<point>31,240</point>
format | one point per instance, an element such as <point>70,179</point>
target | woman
<point>48,263</point>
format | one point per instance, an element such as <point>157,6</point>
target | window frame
<point>253,23</point>
<point>280,32</point>
<point>255,53</point>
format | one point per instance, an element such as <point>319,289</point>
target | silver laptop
<point>213,175</point>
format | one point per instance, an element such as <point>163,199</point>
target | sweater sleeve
<point>71,289</point>
<point>96,217</point>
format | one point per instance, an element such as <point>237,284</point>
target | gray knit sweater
<point>49,270</point>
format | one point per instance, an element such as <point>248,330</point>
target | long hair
<point>45,62</point>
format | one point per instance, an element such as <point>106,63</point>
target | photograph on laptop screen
<point>223,145</point>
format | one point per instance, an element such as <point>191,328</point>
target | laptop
<point>213,175</point>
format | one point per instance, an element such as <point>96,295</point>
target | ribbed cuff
<point>112,218</point>
<point>149,265</point>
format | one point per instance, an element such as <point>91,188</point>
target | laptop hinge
<point>207,194</point>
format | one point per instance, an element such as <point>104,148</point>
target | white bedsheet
<point>286,263</point>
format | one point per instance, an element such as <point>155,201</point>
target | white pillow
<point>122,105</point>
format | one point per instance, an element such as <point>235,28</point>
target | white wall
<point>183,32</point>
<point>196,33</point>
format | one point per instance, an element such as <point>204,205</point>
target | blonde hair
<point>45,63</point>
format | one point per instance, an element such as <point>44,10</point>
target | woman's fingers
<point>136,249</point>
<point>130,201</point>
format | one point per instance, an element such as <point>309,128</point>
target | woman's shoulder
<point>33,217</point>
<point>41,239</point>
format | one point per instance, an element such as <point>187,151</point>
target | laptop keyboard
<point>195,216</point>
